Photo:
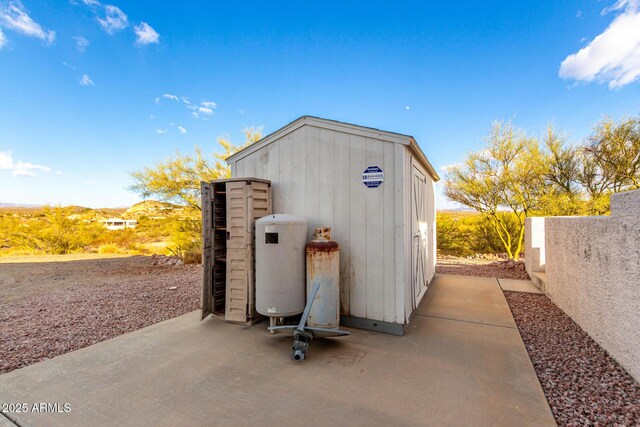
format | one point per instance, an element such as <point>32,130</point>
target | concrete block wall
<point>593,275</point>
<point>534,253</point>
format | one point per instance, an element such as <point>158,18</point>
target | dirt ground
<point>52,305</point>
<point>483,267</point>
<point>25,277</point>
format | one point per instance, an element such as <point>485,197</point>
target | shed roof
<point>397,138</point>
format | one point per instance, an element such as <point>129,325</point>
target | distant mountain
<point>152,208</point>
<point>149,208</point>
<point>18,205</point>
<point>462,209</point>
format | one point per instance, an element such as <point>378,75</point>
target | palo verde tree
<point>562,193</point>
<point>503,181</point>
<point>177,180</point>
<point>610,161</point>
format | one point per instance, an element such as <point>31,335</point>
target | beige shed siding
<point>342,213</point>
<point>402,270</point>
<point>316,173</point>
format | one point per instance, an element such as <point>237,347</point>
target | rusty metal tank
<point>323,267</point>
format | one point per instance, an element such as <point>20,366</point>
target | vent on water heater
<point>280,265</point>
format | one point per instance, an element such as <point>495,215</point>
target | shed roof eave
<point>323,123</point>
<point>339,126</point>
<point>415,148</point>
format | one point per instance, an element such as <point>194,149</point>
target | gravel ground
<point>583,384</point>
<point>43,326</point>
<point>499,269</point>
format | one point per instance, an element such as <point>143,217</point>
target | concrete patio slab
<point>187,372</point>
<point>467,298</point>
<point>4,422</point>
<point>519,286</point>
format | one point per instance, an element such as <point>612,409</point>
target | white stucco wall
<point>534,252</point>
<point>593,275</point>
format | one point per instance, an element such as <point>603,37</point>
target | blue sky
<point>82,81</point>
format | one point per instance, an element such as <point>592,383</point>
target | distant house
<point>119,223</point>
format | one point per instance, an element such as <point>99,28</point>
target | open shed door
<point>207,266</point>
<point>419,234</point>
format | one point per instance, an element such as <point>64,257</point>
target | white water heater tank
<point>280,265</point>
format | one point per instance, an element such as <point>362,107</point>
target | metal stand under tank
<point>321,314</point>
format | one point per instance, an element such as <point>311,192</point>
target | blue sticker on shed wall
<point>373,176</point>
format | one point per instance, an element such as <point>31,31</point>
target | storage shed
<point>375,189</point>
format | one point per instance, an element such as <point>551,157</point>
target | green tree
<point>610,161</point>
<point>562,193</point>
<point>513,178</point>
<point>177,179</point>
<point>452,235</point>
<point>615,147</point>
<point>506,176</point>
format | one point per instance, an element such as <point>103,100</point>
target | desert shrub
<point>109,248</point>
<point>466,233</point>
<point>452,235</point>
<point>193,256</point>
<point>185,235</point>
<point>54,232</point>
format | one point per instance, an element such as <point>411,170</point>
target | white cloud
<point>59,173</point>
<point>145,34</point>
<point>170,96</point>
<point>85,80</point>
<point>157,100</point>
<point>631,5</point>
<point>182,130</point>
<point>241,111</point>
<point>3,39</point>
<point>114,19</point>
<point>612,57</point>
<point>407,107</point>
<point>205,108</point>
<point>66,64</point>
<point>161,131</point>
<point>151,116</point>
<point>81,43</point>
<point>19,168</point>
<point>14,16</point>
<point>90,182</point>
<point>91,2</point>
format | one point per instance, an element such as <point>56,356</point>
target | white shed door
<point>419,234</point>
